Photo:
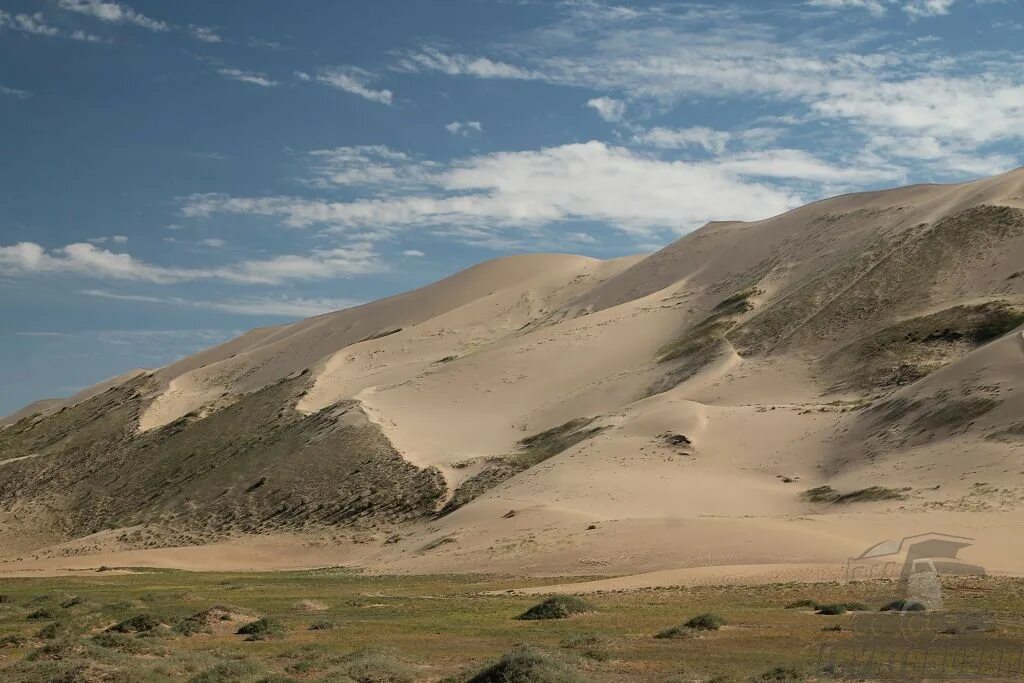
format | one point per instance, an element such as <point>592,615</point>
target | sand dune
<point>660,413</point>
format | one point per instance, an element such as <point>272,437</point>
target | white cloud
<point>432,59</point>
<point>254,77</point>
<point>204,34</point>
<point>27,23</point>
<point>213,243</point>
<point>656,57</point>
<point>415,253</point>
<point>588,181</point>
<point>608,108</point>
<point>352,80</point>
<point>112,12</point>
<point>927,8</point>
<point>915,8</point>
<point>464,128</point>
<point>35,24</point>
<point>293,307</point>
<point>673,138</point>
<point>29,258</point>
<point>876,7</point>
<point>119,239</point>
<point>369,166</point>
<point>15,92</point>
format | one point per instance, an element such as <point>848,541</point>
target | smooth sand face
<point>464,369</point>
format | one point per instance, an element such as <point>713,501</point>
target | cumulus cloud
<point>253,77</point>
<point>113,12</point>
<point>608,108</point>
<point>415,253</point>
<point>352,80</point>
<point>29,258</point>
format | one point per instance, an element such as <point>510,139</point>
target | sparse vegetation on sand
<point>557,607</point>
<point>827,494</point>
<point>911,349</point>
<point>534,450</point>
<point>707,621</point>
<point>429,628</point>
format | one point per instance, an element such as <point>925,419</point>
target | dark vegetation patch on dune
<point>887,277</point>
<point>255,465</point>
<point>911,349</point>
<point>826,494</point>
<point>534,450</point>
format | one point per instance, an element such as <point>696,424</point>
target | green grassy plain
<point>431,628</point>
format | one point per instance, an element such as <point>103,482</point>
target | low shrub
<point>903,606</point>
<point>43,613</point>
<point>321,626</point>
<point>374,665</point>
<point>557,607</point>
<point>781,673</point>
<point>140,623</point>
<point>263,629</point>
<point>832,610</point>
<point>526,665</point>
<point>12,640</point>
<point>706,622</point>
<point>229,672</point>
<point>51,631</point>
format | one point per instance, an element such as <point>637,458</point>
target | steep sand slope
<point>676,410</point>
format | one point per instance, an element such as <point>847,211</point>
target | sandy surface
<point>464,369</point>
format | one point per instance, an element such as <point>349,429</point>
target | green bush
<point>72,602</point>
<point>832,610</point>
<point>229,672</point>
<point>903,606</point>
<point>706,622</point>
<point>557,607</point>
<point>321,626</point>
<point>118,641</point>
<point>51,631</point>
<point>43,613</point>
<point>13,640</point>
<point>374,665</point>
<point>263,629</point>
<point>675,633</point>
<point>527,665</point>
<point>781,673</point>
<point>140,623</point>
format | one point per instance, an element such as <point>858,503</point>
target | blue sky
<point>176,173</point>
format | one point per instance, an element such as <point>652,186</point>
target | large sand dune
<point>674,411</point>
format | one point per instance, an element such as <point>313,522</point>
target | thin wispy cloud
<point>15,92</point>
<point>113,12</point>
<point>86,260</point>
<point>252,77</point>
<point>292,307</point>
<point>350,79</point>
<point>36,25</point>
